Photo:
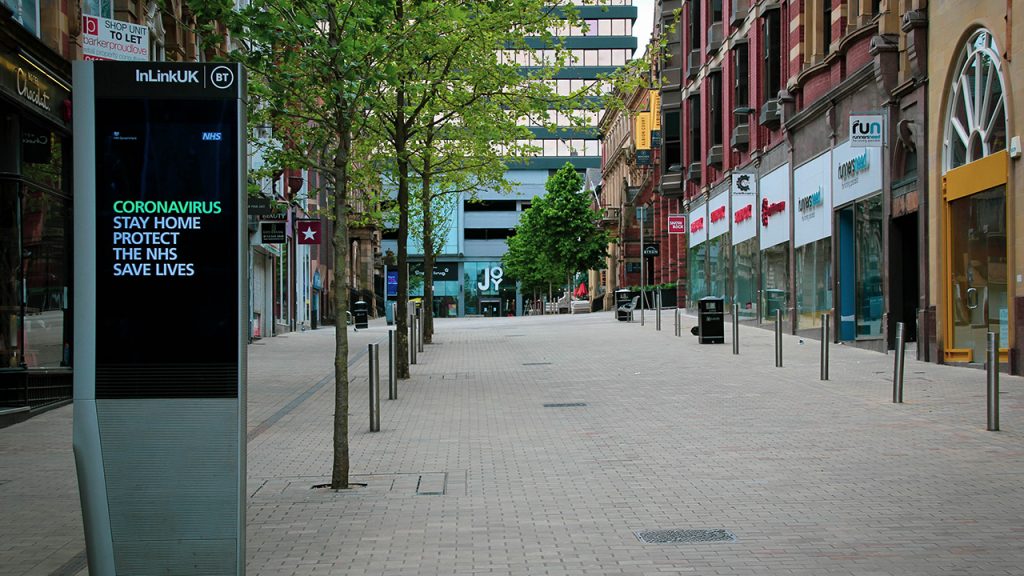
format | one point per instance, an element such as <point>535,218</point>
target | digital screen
<point>167,237</point>
<point>392,282</point>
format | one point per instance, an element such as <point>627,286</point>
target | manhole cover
<point>536,363</point>
<point>684,536</point>
<point>565,404</point>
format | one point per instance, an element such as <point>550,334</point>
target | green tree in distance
<point>558,235</point>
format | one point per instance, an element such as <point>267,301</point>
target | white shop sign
<point>718,216</point>
<point>698,225</point>
<point>773,210</point>
<point>812,190</point>
<point>744,207</point>
<point>856,172</point>
<point>107,39</point>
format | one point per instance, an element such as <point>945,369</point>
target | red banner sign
<point>769,209</point>
<point>744,214</point>
<point>677,223</point>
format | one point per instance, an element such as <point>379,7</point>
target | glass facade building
<point>476,240</point>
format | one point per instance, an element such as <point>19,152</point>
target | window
<point>826,31</point>
<point>489,233</point>
<point>673,146</point>
<point>695,128</point>
<point>741,69</point>
<point>715,104</point>
<point>693,26</point>
<point>716,11</point>
<point>490,206</point>
<point>772,54</point>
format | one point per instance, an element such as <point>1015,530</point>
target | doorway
<point>976,260</point>
<point>904,272</point>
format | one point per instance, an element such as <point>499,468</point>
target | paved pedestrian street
<point>543,445</point>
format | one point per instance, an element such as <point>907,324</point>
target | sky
<point>643,25</point>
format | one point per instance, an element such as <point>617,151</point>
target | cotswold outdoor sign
<point>867,130</point>
<point>160,213</point>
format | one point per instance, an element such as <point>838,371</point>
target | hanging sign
<point>677,223</point>
<point>655,100</point>
<point>867,130</point>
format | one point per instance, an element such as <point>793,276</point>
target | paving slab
<point>541,445</point>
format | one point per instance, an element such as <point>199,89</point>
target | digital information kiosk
<point>160,308</point>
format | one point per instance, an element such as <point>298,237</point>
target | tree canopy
<point>558,235</point>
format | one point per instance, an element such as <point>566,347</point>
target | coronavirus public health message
<point>148,236</point>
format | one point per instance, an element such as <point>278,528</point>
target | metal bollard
<point>735,328</point>
<point>374,353</point>
<point>392,380</point>
<point>419,328</point>
<point>897,374</point>
<point>657,307</point>
<point>778,338</point>
<point>412,339</point>
<point>679,324</point>
<point>993,381</point>
<point>825,337</point>
<point>643,302</point>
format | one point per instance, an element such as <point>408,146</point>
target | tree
<point>453,86</point>
<point>558,235</point>
<point>312,67</point>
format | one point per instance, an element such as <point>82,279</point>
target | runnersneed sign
<point>106,39</point>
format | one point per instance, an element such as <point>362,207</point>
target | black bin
<point>711,320</point>
<point>622,297</point>
<point>360,314</point>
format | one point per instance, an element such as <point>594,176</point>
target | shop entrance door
<point>490,307</point>
<point>976,259</point>
<point>847,274</point>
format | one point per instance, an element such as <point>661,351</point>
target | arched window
<point>976,117</point>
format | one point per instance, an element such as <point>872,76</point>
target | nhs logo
<point>212,136</point>
<point>867,130</point>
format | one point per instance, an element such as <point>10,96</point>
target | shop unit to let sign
<point>107,39</point>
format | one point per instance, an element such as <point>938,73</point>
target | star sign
<point>309,234</point>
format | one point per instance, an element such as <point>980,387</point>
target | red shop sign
<point>769,209</point>
<point>697,226</point>
<point>718,214</point>
<point>677,223</point>
<point>744,214</point>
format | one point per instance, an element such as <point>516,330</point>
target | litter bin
<point>622,297</point>
<point>360,313</point>
<point>389,312</point>
<point>711,320</point>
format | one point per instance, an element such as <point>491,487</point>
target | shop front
<point>773,215</point>
<point>744,243</point>
<point>719,249</point>
<point>975,176</point>
<point>857,186</point>
<point>812,240</point>
<point>35,232</point>
<point>488,292</point>
<point>696,256</point>
<point>446,287</point>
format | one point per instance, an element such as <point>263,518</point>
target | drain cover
<point>565,405</point>
<point>684,536</point>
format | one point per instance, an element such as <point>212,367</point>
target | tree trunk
<point>428,247</point>
<point>402,300</point>
<point>340,469</point>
